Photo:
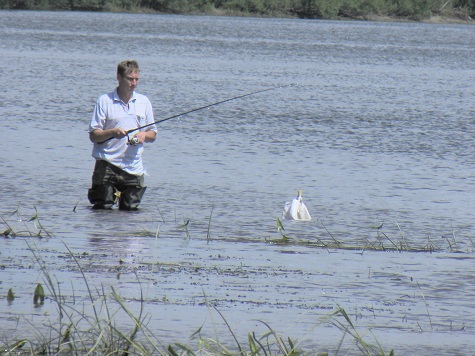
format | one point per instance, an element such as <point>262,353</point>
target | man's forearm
<point>99,135</point>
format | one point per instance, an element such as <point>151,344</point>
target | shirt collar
<point>118,99</point>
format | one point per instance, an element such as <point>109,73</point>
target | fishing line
<point>200,108</point>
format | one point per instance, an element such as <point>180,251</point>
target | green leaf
<point>10,295</point>
<point>67,333</point>
<point>291,344</point>
<point>34,217</point>
<point>252,345</point>
<point>39,296</point>
<point>18,345</point>
<point>171,351</point>
<point>184,225</point>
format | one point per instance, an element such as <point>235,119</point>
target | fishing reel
<point>133,141</point>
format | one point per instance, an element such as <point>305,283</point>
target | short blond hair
<point>127,66</point>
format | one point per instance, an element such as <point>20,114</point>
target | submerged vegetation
<point>95,325</point>
<point>311,9</point>
<point>29,227</point>
<point>17,225</point>
<point>379,241</point>
<point>76,332</point>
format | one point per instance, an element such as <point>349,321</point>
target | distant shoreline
<point>435,19</point>
<point>455,18</point>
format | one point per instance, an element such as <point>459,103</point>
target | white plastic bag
<point>296,209</point>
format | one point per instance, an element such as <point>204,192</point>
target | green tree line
<point>316,9</point>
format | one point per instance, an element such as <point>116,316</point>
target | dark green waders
<point>110,183</point>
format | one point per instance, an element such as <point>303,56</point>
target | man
<point>118,173</point>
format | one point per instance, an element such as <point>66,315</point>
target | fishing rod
<point>197,109</point>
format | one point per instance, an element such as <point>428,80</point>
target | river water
<point>373,121</point>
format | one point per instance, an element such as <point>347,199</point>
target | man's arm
<point>98,135</point>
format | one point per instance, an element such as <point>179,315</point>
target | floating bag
<point>296,209</point>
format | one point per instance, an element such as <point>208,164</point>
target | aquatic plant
<point>10,296</point>
<point>39,295</point>
<point>382,240</point>
<point>98,331</point>
<point>37,230</point>
<point>348,328</point>
<point>77,331</point>
<point>208,235</point>
<point>184,226</point>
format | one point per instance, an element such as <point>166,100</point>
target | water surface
<point>373,121</point>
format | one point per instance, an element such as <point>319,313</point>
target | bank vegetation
<point>398,10</point>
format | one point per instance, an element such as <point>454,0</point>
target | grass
<point>96,326</point>
<point>100,330</point>
<point>36,230</point>
<point>381,241</point>
<point>77,332</point>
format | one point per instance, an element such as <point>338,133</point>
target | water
<point>373,122</point>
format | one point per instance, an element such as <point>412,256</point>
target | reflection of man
<point>119,172</point>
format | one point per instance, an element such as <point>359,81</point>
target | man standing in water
<point>118,172</point>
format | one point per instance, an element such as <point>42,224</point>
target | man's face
<point>129,81</point>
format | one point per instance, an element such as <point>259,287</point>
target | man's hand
<point>147,136</point>
<point>101,136</point>
<point>118,132</point>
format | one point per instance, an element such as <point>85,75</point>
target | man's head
<point>128,75</point>
<point>127,67</point>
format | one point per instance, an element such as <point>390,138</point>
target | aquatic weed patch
<point>242,274</point>
<point>93,322</point>
<point>373,238</point>
<point>378,241</point>
<point>21,226</point>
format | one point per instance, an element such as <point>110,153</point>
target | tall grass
<point>25,228</point>
<point>78,332</point>
<point>93,327</point>
<point>381,241</point>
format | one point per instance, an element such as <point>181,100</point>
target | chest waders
<point>111,185</point>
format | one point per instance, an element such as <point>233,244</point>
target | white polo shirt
<point>111,112</point>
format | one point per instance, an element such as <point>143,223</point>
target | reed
<point>96,332</point>
<point>37,230</point>
<point>208,234</point>
<point>382,241</point>
<point>426,305</point>
<point>348,328</point>
<point>78,332</point>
